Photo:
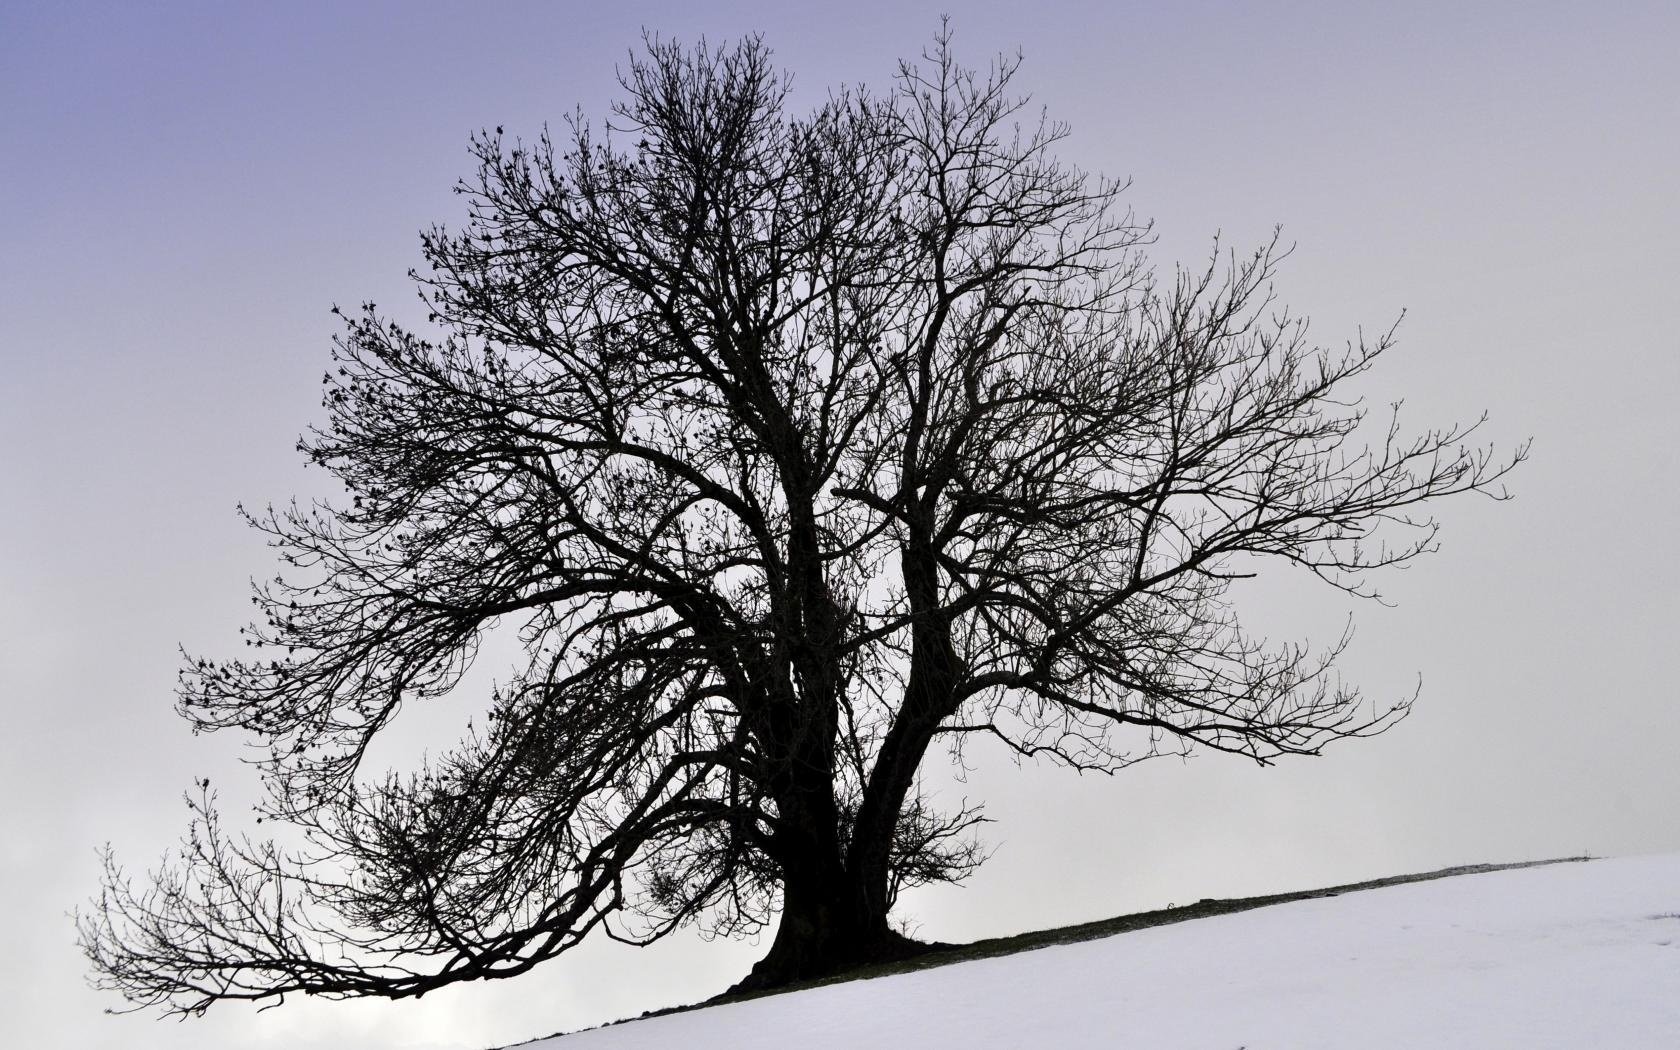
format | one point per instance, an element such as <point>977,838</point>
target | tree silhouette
<point>789,447</point>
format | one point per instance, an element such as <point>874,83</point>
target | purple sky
<point>187,188</point>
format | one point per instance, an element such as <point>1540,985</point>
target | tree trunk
<point>826,928</point>
<point>927,701</point>
<point>834,902</point>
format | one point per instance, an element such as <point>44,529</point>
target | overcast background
<point>185,189</point>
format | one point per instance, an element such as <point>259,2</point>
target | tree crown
<point>789,446</point>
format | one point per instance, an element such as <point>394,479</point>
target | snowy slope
<point>1570,955</point>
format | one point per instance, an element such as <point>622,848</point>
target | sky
<point>186,189</point>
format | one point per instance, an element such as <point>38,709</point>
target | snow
<point>1567,955</point>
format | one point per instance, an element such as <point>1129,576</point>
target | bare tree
<point>789,446</point>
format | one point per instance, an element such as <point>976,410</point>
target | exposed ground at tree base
<point>946,954</point>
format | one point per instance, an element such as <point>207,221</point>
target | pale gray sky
<point>187,188</point>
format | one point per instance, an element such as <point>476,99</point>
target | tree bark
<point>826,928</point>
<point>927,702</point>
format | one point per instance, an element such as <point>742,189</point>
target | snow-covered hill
<point>1569,955</point>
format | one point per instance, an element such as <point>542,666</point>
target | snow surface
<point>1569,955</point>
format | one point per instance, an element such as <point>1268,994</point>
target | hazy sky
<point>187,188</point>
